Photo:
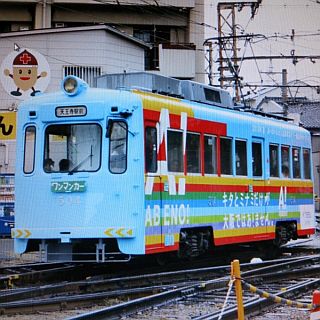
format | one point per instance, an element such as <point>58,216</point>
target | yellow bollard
<point>235,274</point>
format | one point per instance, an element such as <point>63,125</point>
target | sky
<point>281,28</point>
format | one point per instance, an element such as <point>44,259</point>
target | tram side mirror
<point>109,128</point>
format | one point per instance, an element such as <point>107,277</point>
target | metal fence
<point>7,253</point>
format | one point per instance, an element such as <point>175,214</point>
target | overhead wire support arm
<point>311,57</point>
<point>242,36</point>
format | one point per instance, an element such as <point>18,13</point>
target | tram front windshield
<point>72,148</point>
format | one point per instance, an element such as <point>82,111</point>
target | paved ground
<point>313,242</point>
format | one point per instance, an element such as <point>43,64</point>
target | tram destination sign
<point>68,186</point>
<point>71,111</point>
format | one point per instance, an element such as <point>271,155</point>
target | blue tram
<point>6,204</point>
<point>154,165</point>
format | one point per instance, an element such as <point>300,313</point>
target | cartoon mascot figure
<point>25,73</point>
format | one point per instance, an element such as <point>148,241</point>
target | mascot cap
<point>25,59</point>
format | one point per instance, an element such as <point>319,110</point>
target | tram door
<point>259,183</point>
<point>153,188</point>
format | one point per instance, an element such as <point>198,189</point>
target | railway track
<point>23,274</point>
<point>12,276</point>
<point>144,291</point>
<point>204,300</point>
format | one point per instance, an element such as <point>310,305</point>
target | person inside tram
<point>48,165</point>
<point>64,165</point>
<point>285,171</point>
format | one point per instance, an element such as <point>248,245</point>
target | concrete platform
<point>311,243</point>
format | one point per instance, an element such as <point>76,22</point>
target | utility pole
<point>284,91</point>
<point>227,41</point>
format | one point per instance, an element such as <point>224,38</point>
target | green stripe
<point>219,196</point>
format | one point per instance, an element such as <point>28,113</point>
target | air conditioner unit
<point>59,25</point>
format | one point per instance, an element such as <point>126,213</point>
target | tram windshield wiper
<point>74,169</point>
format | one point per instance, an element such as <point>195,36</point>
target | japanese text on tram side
<point>249,220</point>
<point>255,199</point>
<point>66,186</point>
<point>246,220</point>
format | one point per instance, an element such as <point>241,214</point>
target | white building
<point>84,51</point>
<point>174,29</point>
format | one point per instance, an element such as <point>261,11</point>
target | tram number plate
<point>68,186</point>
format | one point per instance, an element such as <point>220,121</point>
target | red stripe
<point>245,238</point>
<point>151,115</point>
<point>235,188</point>
<point>215,188</point>
<point>157,249</point>
<point>162,151</point>
<point>277,189</point>
<point>306,232</point>
<point>205,126</point>
<point>193,124</point>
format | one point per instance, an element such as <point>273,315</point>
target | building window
<point>306,164</point>
<point>296,163</point>
<point>274,160</point>
<point>241,158</point>
<point>86,73</point>
<point>175,151</point>
<point>151,149</point>
<point>256,159</point>
<point>226,155</point>
<point>285,161</point>
<point>210,154</point>
<point>193,153</point>
<point>29,149</point>
<point>154,35</point>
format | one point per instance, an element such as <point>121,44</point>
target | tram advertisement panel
<point>8,126</point>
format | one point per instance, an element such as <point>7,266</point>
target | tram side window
<point>241,158</point>
<point>285,161</point>
<point>118,147</point>
<point>193,153</point>
<point>296,162</point>
<point>29,149</point>
<point>226,155</point>
<point>175,151</point>
<point>210,154</point>
<point>256,159</point>
<point>151,149</point>
<point>274,160</point>
<point>306,164</point>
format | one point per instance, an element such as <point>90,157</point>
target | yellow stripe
<point>240,232</point>
<point>234,181</point>
<point>155,239</point>
<point>156,103</point>
<point>253,289</point>
<point>289,183</point>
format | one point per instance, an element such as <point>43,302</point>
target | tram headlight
<point>72,85</point>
